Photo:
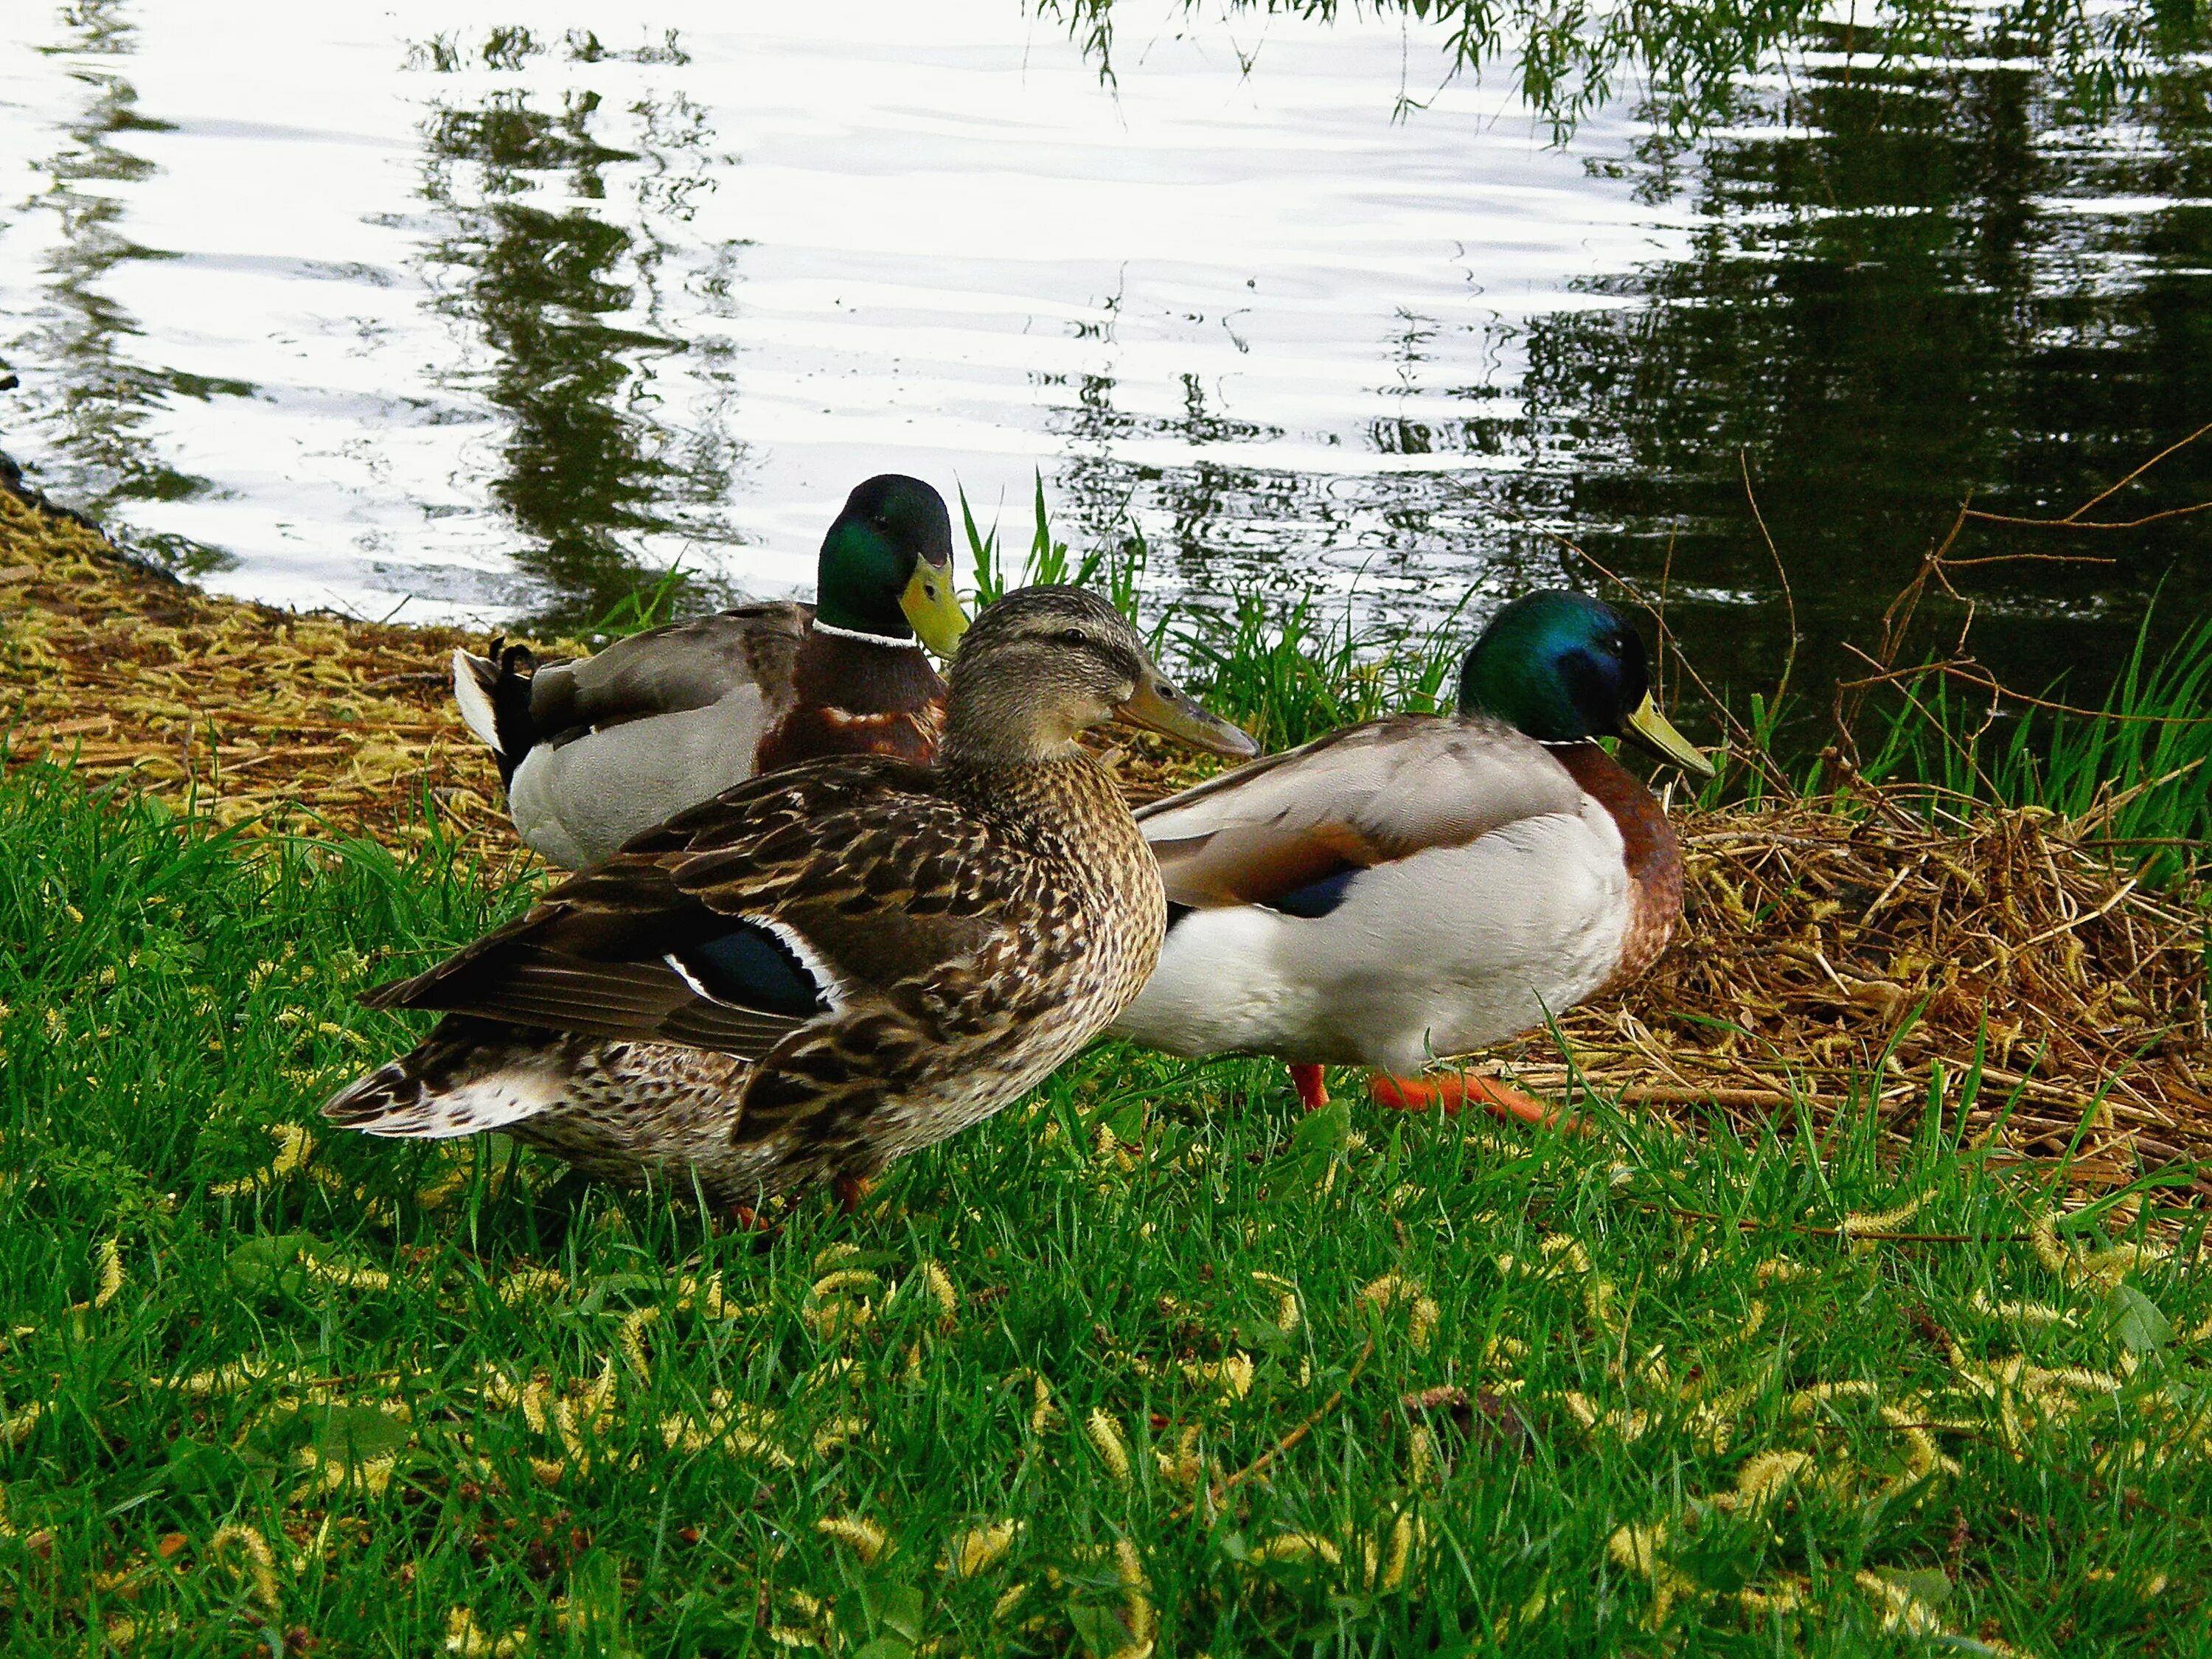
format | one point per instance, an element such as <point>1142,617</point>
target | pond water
<point>486,312</point>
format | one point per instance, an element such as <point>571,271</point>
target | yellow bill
<point>932,609</point>
<point>1654,731</point>
<point>1159,707</point>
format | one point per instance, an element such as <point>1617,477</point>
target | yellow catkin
<point>1388,1291</point>
<point>1861,1221</point>
<point>572,1434</point>
<point>630,1337</point>
<point>1777,1271</point>
<point>15,1428</point>
<point>846,1280</point>
<point>1766,1476</point>
<point>1637,1550</point>
<point>599,1398</point>
<point>347,1277</point>
<point>467,1639</point>
<point>233,1378</point>
<point>975,1552</point>
<point>1232,1376</point>
<point>1401,1553</point>
<point>1422,1459</point>
<point>1288,1315</point>
<point>533,1402</point>
<point>864,1538</point>
<point>260,1569</point>
<point>2103,1269</point>
<point>110,1260</point>
<point>941,1288</point>
<point>531,1285</point>
<point>1130,1568</point>
<point>294,1146</point>
<point>1182,1466</point>
<point>1299,1546</point>
<point>1105,1434</point>
<point>1902,1612</point>
<point>2037,1315</point>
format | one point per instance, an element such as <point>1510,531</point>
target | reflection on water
<point>493,320</point>
<point>106,398</point>
<point>584,458</point>
<point>1901,294</point>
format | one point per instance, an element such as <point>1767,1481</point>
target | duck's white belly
<point>576,804</point>
<point>1447,950</point>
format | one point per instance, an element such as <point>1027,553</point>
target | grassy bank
<point>1873,1317</point>
<point>1147,1360</point>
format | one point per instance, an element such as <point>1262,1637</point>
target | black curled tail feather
<point>510,705</point>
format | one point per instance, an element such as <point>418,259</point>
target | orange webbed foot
<point>1312,1086</point>
<point>744,1218</point>
<point>1453,1089</point>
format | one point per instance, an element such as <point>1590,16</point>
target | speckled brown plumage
<point>964,928</point>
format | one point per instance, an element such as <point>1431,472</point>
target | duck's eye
<point>1075,638</point>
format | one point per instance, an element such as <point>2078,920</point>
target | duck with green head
<point>601,749</point>
<point>1416,887</point>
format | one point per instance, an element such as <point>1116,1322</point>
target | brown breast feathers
<point>1653,857</point>
<point>851,697</point>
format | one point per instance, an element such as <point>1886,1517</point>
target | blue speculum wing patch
<point>752,968</point>
<point>1316,898</point>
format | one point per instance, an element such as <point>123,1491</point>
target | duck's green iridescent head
<point>1563,667</point>
<point>887,566</point>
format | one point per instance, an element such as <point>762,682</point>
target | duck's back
<point>612,744</point>
<point>1413,886</point>
<point>598,750</point>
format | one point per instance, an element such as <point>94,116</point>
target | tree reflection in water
<point>1903,291</point>
<point>97,412</point>
<point>565,299</point>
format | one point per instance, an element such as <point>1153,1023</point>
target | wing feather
<point>1365,795</point>
<point>668,669</point>
<point>797,849</point>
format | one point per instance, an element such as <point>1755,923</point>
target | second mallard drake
<point>1418,887</point>
<point>595,751</point>
<point>828,967</point>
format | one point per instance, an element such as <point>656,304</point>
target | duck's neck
<point>839,667</point>
<point>1056,804</point>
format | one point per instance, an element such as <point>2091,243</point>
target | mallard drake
<point>1421,886</point>
<point>596,751</point>
<point>825,968</point>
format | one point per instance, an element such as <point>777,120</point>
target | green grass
<point>397,1400</point>
<point>2140,769</point>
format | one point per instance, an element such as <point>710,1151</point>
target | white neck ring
<point>821,627</point>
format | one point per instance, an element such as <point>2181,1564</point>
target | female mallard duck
<point>826,968</point>
<point>596,751</point>
<point>1421,885</point>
